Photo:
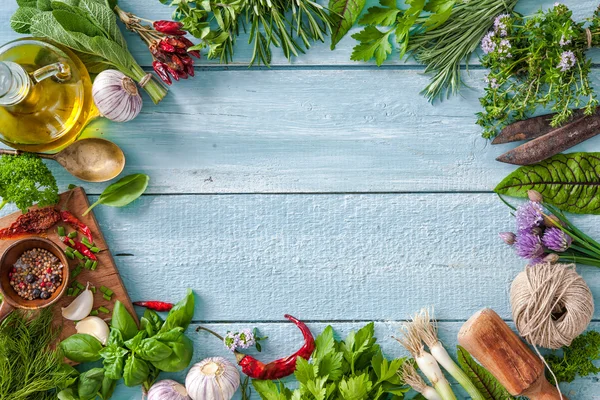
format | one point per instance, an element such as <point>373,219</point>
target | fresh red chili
<point>155,305</point>
<point>80,247</point>
<point>76,224</point>
<point>277,369</point>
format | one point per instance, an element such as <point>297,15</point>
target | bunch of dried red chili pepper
<point>167,43</point>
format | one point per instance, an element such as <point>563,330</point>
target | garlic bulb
<point>212,379</point>
<point>95,327</point>
<point>116,96</point>
<point>80,307</point>
<point>168,389</point>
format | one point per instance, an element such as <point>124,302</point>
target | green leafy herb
<point>25,180</point>
<point>123,321</point>
<point>353,369</point>
<point>81,348</point>
<point>577,359</point>
<point>90,383</point>
<point>565,180</point>
<point>122,192</point>
<point>90,28</point>
<point>537,61</point>
<point>291,26</point>
<point>31,369</point>
<point>485,382</point>
<point>344,14</point>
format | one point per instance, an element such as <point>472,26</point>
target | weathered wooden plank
<point>319,54</point>
<point>285,339</point>
<point>309,131</point>
<point>322,257</point>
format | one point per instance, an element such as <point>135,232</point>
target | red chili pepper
<point>279,368</point>
<point>189,64</point>
<point>80,247</point>
<point>169,27</point>
<point>76,224</point>
<point>165,46</point>
<point>161,71</point>
<point>154,305</point>
<point>172,71</point>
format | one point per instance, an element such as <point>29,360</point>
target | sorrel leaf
<point>571,182</point>
<point>344,14</point>
<point>487,385</point>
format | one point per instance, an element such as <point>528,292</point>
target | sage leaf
<point>568,181</point>
<point>344,14</point>
<point>27,3</point>
<point>45,25</point>
<point>44,5</point>
<point>104,18</point>
<point>487,385</point>
<point>20,21</point>
<point>122,192</point>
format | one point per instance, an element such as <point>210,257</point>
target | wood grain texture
<point>105,275</point>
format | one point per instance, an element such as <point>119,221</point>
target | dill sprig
<point>443,49</point>
<point>291,25</point>
<point>29,368</point>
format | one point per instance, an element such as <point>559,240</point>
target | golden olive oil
<point>53,112</point>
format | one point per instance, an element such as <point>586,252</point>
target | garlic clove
<point>80,307</point>
<point>116,96</point>
<point>95,327</point>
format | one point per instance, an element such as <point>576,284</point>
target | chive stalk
<point>94,265</point>
<point>94,249</point>
<point>103,309</point>
<point>107,297</point>
<point>72,235</point>
<point>429,336</point>
<point>78,255</point>
<point>69,255</point>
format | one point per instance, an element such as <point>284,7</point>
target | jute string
<point>144,81</point>
<point>551,306</point>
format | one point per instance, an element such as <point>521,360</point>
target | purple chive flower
<point>567,61</point>
<point>508,237</point>
<point>487,43</point>
<point>564,41</point>
<point>529,246</point>
<point>529,215</point>
<point>555,239</point>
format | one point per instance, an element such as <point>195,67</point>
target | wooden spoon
<point>91,160</point>
<point>487,337</point>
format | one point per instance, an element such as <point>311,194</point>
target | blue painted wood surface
<point>325,188</point>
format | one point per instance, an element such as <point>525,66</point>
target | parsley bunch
<point>537,62</point>
<point>351,369</point>
<point>577,359</point>
<point>25,180</point>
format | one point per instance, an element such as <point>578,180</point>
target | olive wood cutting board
<point>106,274</point>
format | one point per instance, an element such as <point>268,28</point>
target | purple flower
<point>487,43</point>
<point>529,215</point>
<point>239,340</point>
<point>564,41</point>
<point>567,61</point>
<point>500,24</point>
<point>555,239</point>
<point>231,341</point>
<point>508,237</point>
<point>529,246</point>
<point>492,82</point>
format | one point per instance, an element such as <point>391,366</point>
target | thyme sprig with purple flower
<point>545,234</point>
<point>243,339</point>
<point>537,61</point>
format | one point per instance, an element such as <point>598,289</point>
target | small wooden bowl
<point>10,256</point>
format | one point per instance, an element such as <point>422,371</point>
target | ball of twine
<point>551,304</point>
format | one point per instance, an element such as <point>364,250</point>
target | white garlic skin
<point>168,389</point>
<point>214,378</point>
<point>116,96</point>
<point>80,307</point>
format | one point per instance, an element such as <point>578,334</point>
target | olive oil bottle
<point>45,95</point>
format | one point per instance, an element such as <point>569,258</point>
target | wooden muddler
<point>491,341</point>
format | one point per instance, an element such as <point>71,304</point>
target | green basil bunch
<point>135,355</point>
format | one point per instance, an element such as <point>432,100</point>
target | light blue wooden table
<point>323,188</point>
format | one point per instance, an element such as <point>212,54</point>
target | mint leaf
<point>344,14</point>
<point>373,44</point>
<point>21,20</point>
<point>487,385</point>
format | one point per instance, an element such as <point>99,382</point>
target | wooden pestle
<point>491,341</point>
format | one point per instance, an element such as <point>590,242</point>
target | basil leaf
<point>136,371</point>
<point>181,314</point>
<point>568,181</point>
<point>123,321</point>
<point>115,338</point>
<point>90,383</point>
<point>344,14</point>
<point>170,336</point>
<point>153,350</point>
<point>114,359</point>
<point>81,348</point>
<point>151,322</point>
<point>134,343</point>
<point>21,20</point>
<point>183,350</point>
<point>108,388</point>
<point>129,188</point>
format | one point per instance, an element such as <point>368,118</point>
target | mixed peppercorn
<point>36,274</point>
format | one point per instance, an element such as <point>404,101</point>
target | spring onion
<point>70,255</point>
<point>72,235</point>
<point>61,231</point>
<point>94,249</point>
<point>103,309</point>
<point>429,336</point>
<point>78,255</point>
<point>412,378</point>
<point>107,297</point>
<point>411,340</point>
<point>70,292</point>
<point>88,263</point>
<point>94,265</point>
